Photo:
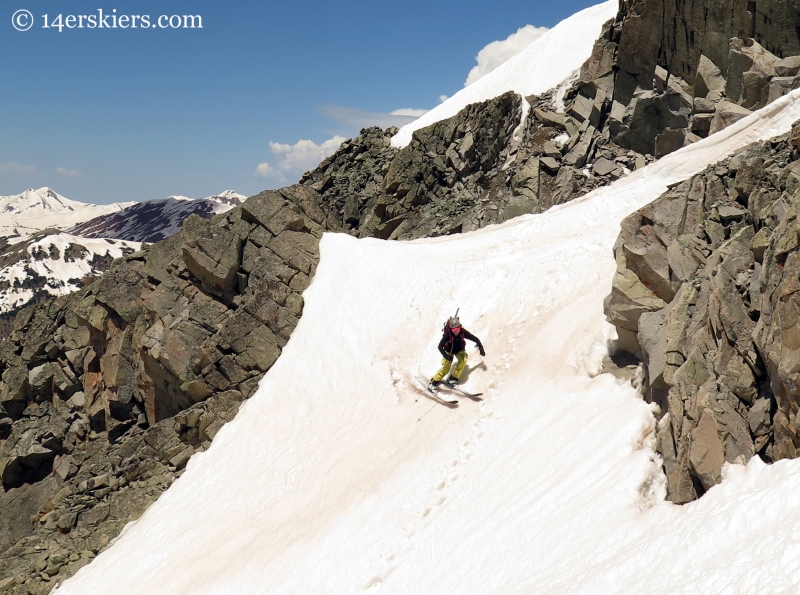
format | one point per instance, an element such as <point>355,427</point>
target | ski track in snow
<point>326,482</point>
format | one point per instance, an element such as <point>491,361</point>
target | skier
<point>453,344</point>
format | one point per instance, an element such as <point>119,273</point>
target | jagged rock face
<point>206,310</point>
<point>431,187</point>
<point>471,171</point>
<point>108,391</point>
<point>705,294</point>
<point>94,491</point>
<point>674,73</point>
<point>674,34</point>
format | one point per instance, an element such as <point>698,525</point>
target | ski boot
<point>433,385</point>
<point>452,382</point>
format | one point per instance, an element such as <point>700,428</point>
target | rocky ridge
<point>108,391</point>
<point>626,108</point>
<point>467,172</point>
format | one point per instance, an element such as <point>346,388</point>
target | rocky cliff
<point>705,294</point>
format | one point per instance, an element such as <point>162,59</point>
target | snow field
<point>543,65</point>
<point>339,477</point>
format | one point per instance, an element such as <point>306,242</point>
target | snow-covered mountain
<point>36,261</point>
<point>34,210</point>
<point>544,64</point>
<point>549,485</point>
<point>155,220</point>
<point>52,263</point>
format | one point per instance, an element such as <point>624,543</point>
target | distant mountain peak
<point>230,197</point>
<point>37,202</point>
<point>155,220</point>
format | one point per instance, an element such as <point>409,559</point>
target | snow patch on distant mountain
<point>35,210</point>
<point>156,220</point>
<point>544,64</point>
<point>49,243</point>
<point>52,264</point>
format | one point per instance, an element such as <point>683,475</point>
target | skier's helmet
<point>455,324</point>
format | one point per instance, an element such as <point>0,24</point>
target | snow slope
<point>52,264</point>
<point>35,210</point>
<point>339,477</point>
<point>541,66</point>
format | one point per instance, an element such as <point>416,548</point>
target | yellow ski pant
<point>461,356</point>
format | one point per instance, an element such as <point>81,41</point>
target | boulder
<point>550,164</point>
<point>780,86</point>
<point>670,141</point>
<point>787,67</point>
<point>725,114</point>
<point>747,55</point>
<point>759,417</point>
<point>549,118</point>
<point>706,452</point>
<point>708,78</point>
<point>14,388</point>
<point>211,253</point>
<point>526,183</point>
<point>604,167</point>
<point>18,505</point>
<point>648,114</point>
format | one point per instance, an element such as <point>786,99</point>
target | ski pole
<point>427,412</point>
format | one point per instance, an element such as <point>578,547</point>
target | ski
<point>474,396</point>
<point>435,395</point>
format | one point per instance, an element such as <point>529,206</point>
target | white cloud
<point>17,168</point>
<point>497,52</point>
<point>443,98</point>
<point>264,170</point>
<point>355,119</point>
<point>407,111</point>
<point>72,173</point>
<point>294,160</point>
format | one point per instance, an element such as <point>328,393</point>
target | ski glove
<point>448,357</point>
<point>481,351</point>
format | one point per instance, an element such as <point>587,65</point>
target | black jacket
<point>451,343</point>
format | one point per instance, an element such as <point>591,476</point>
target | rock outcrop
<point>704,294</point>
<point>674,73</point>
<point>108,391</point>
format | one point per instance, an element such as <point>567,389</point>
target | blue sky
<point>107,115</point>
